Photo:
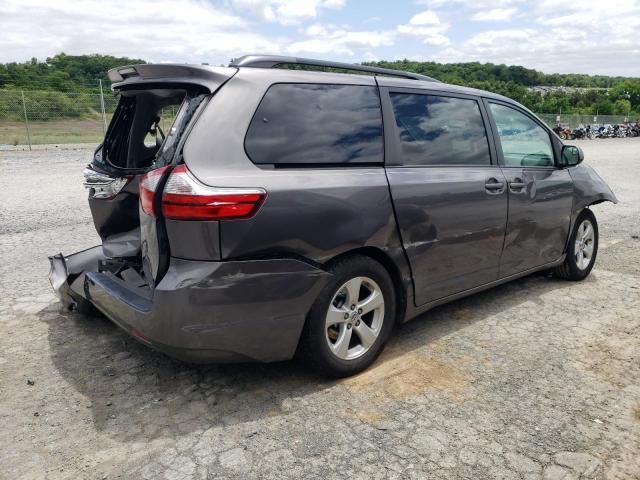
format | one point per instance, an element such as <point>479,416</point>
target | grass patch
<point>53,131</point>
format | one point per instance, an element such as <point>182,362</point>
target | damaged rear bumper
<point>67,274</point>
<point>203,312</point>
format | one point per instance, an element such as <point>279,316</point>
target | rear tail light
<point>185,198</point>
<point>148,185</point>
<point>103,186</point>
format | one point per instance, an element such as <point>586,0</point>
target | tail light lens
<point>103,186</point>
<point>148,185</point>
<point>185,198</point>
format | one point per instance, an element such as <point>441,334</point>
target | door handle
<point>517,185</point>
<point>493,186</point>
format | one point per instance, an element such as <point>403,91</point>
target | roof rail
<point>270,61</point>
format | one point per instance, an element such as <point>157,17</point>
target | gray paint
<point>539,218</point>
<point>204,76</point>
<point>194,240</point>
<point>118,214</point>
<point>251,310</point>
<point>124,244</point>
<point>452,230</point>
<point>241,289</point>
<point>588,187</point>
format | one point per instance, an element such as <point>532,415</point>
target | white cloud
<point>325,39</point>
<point>590,36</point>
<point>475,4</point>
<point>495,15</point>
<point>285,12</point>
<point>156,30</point>
<point>499,39</point>
<point>426,26</point>
<point>428,17</point>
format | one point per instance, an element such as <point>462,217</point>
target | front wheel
<point>351,319</point>
<point>582,250</point>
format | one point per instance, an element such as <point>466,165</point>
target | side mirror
<point>572,155</point>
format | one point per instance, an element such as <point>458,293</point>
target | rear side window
<point>437,130</point>
<point>297,124</point>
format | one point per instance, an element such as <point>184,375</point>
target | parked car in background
<point>300,211</point>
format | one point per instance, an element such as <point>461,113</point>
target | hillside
<point>603,95</point>
<point>592,94</point>
<point>63,73</point>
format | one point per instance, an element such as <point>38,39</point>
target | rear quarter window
<point>316,124</point>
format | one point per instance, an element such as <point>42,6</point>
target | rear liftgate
<point>134,244</point>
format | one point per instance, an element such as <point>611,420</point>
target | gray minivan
<point>293,211</point>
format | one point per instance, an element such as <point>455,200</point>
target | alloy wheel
<point>585,239</point>
<point>354,318</point>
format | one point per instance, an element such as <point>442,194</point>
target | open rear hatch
<point>157,106</point>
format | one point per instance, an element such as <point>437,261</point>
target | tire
<point>581,246</point>
<point>346,347</point>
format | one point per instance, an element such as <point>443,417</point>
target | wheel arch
<point>574,219</point>
<point>392,268</point>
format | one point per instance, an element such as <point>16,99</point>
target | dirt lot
<point>536,379</point>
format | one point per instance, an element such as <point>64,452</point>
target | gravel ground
<point>539,378</point>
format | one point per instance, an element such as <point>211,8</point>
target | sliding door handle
<point>493,186</point>
<point>517,186</point>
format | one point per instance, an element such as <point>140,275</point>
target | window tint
<point>523,141</point>
<point>440,130</point>
<point>316,124</point>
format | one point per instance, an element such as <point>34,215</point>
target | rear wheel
<point>583,248</point>
<point>351,319</point>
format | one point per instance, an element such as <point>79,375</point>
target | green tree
<point>622,107</point>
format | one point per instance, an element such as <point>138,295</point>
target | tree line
<point>62,73</point>
<point>587,95</point>
<point>64,84</point>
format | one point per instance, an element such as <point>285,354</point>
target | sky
<point>564,36</point>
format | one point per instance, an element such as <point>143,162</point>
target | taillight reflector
<point>185,198</point>
<point>148,185</point>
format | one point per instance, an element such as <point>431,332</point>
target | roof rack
<point>270,61</point>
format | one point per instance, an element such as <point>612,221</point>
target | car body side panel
<point>539,218</point>
<point>589,188</point>
<point>337,210</point>
<point>452,230</point>
<point>215,311</point>
<point>310,212</point>
<point>118,214</point>
<point>214,150</point>
<point>194,240</point>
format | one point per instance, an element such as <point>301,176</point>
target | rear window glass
<point>316,124</point>
<point>146,128</point>
<point>437,130</point>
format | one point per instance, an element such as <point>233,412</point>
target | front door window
<point>524,143</point>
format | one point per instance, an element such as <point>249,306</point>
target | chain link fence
<point>49,117</point>
<point>575,120</point>
<point>30,118</point>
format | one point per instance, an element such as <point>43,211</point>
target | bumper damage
<point>67,274</point>
<point>204,312</point>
